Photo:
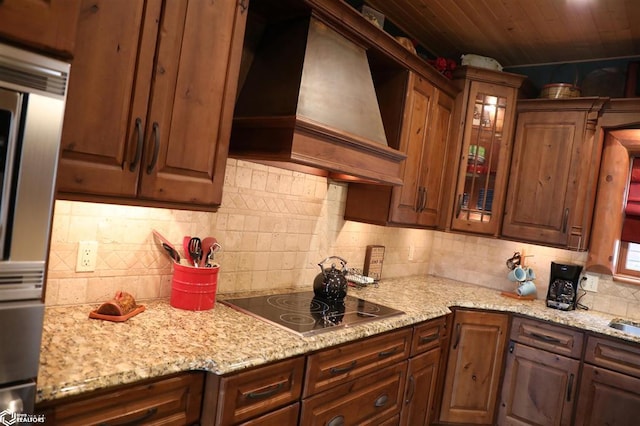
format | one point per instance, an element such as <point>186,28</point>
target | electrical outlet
<point>87,256</point>
<point>412,250</point>
<point>590,283</point>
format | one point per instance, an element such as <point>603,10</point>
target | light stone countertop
<point>80,354</point>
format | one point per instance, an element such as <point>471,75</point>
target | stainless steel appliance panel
<point>32,102</point>
<point>20,340</point>
<point>17,399</point>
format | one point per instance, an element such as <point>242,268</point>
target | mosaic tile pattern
<point>275,226</point>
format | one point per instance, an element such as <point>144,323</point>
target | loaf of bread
<point>121,304</point>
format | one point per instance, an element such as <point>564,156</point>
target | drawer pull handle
<point>271,390</point>
<point>570,387</point>
<point>336,421</point>
<point>139,132</point>
<point>145,416</point>
<point>545,338</point>
<point>430,338</point>
<point>388,353</point>
<point>340,370</point>
<point>411,390</point>
<point>382,400</point>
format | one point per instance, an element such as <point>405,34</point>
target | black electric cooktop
<point>306,314</point>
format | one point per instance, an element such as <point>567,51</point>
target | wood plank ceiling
<point>520,32</point>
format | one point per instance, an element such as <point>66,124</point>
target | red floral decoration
<point>444,66</point>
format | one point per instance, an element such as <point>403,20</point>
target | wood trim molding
<point>620,131</point>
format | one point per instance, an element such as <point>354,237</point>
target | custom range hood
<point>308,101</point>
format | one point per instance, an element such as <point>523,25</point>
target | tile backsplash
<point>275,226</point>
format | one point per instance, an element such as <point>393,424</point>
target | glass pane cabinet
<point>489,101</point>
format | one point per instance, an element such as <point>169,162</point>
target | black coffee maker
<point>563,286</point>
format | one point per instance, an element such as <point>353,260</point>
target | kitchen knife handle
<point>136,159</point>
<point>156,148</point>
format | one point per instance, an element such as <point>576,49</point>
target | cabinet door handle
<point>565,221</point>
<point>156,148</point>
<point>271,390</point>
<point>459,206</point>
<point>418,200</point>
<point>424,200</point>
<point>336,421</point>
<point>570,387</point>
<point>139,143</point>
<point>340,370</point>
<point>381,401</point>
<point>145,416</point>
<point>455,345</point>
<point>385,354</point>
<point>545,338</point>
<point>430,338</point>
<point>411,390</point>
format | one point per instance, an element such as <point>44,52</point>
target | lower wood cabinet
<point>366,401</point>
<point>541,375</point>
<point>281,417</point>
<point>249,394</point>
<point>331,367</point>
<point>539,387</point>
<point>610,385</point>
<point>474,367</point>
<point>174,400</point>
<point>420,389</point>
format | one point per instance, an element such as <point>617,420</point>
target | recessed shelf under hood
<point>314,101</point>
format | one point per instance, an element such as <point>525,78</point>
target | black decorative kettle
<point>331,283</point>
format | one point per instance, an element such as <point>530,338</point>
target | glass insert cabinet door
<point>484,158</point>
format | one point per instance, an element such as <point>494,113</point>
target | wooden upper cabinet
<point>48,25</point>
<point>151,102</point>
<point>425,139</point>
<point>553,172</point>
<point>474,367</point>
<point>488,107</point>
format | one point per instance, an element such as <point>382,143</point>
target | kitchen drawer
<point>172,400</point>
<point>550,337</point>
<point>284,416</point>
<point>614,355</point>
<point>427,335</point>
<point>332,367</point>
<point>366,401</point>
<point>250,393</point>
